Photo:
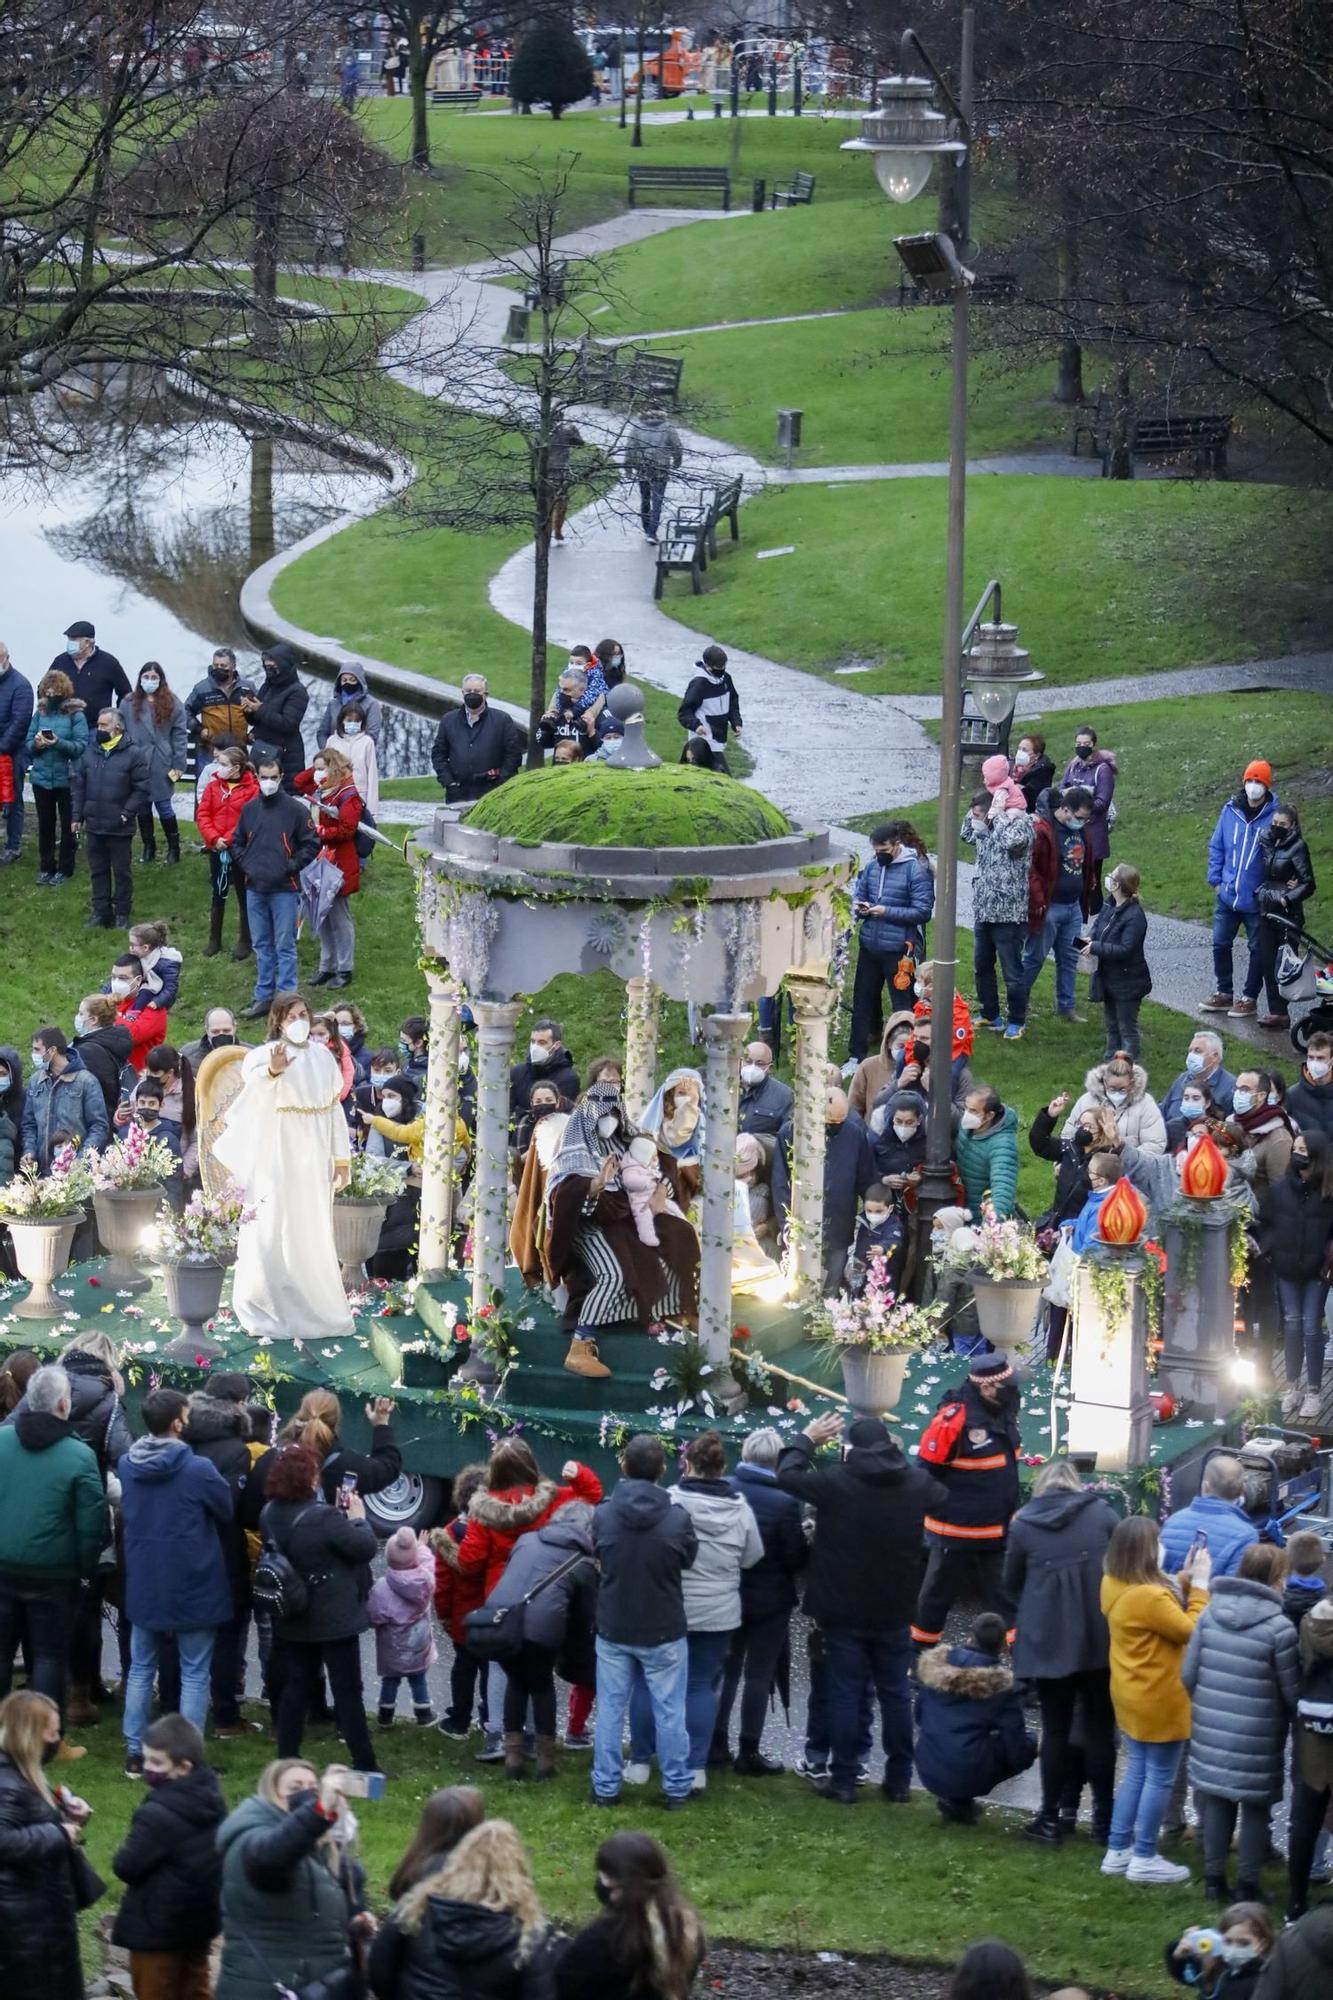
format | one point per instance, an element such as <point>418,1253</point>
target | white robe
<point>281,1141</point>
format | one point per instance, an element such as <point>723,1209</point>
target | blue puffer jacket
<point>172,1502</point>
<point>50,767</point>
<point>971,1733</point>
<point>906,889</point>
<point>15,713</point>
<point>1230,1532</point>
<point>1235,858</point>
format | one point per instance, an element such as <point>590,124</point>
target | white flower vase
<point>356,1234</point>
<point>194,1293</point>
<point>41,1250</point>
<point>873,1382</point>
<point>124,1217</point>
<point>1006,1310</point>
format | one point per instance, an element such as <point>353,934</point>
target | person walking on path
<point>1001,832</point>
<point>1242,1672</point>
<point>1055,892</point>
<point>892,900</point>
<point>57,738</point>
<point>1094,771</point>
<point>653,451</point>
<point>1114,953</point>
<point>476,747</point>
<point>1235,870</point>
<point>868,1497</point>
<point>711,706</point>
<point>1152,1617</point>
<point>274,841</point>
<point>108,791</point>
<point>15,720</point>
<point>156,722</point>
<point>1287,886</point>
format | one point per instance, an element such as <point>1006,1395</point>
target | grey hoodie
<point>729,1541</point>
<point>1242,1671</point>
<point>328,722</point>
<point>653,448</point>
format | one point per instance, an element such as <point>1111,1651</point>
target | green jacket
<point>50,767</point>
<point>988,1163</point>
<point>53,1514</point>
<point>280,1904</point>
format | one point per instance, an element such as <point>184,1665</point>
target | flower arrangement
<point>372,1178</point>
<point>134,1161</point>
<point>1005,1251</point>
<point>488,1331</point>
<point>876,1320</point>
<point>36,1197</point>
<point>684,1371</point>
<point>205,1231</point>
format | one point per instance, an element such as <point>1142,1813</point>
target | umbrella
<point>321,886</point>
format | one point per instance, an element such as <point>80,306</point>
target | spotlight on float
<point>1244,1372</point>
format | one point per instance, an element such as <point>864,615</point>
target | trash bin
<point>760,193</point>
<point>418,253</point>
<point>517,328</point>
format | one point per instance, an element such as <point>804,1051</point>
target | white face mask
<point>1022,758</point>
<point>392,1106</point>
<point>351,729</point>
<point>268,786</point>
<point>4,1079</point>
<point>120,987</point>
<point>464,1062</point>
<point>1319,1067</point>
<point>1254,792</point>
<point>1273,1097</point>
<point>1192,1107</point>
<point>321,775</point>
<point>970,1121</point>
<point>1194,1061</point>
<point>72,647</point>
<point>877,1217</point>
<point>1243,1100</point>
<point>920,988</point>
<point>607,1125</point>
<point>752,1073</point>
<point>345,1029</point>
<point>297,1031</point>
<point>538,1053</point>
<point>903,1131</point>
<point>1116,1097</point>
<point>150,684</point>
<point>80,1025</point>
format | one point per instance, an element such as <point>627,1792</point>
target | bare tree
<point>432,27</point>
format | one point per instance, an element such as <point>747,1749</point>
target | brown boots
<point>583,1359</point>
<point>545,1757</point>
<point>515,1761</point>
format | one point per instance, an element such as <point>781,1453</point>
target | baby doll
<point>639,1175</point>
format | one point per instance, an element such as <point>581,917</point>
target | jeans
<point>874,971</point>
<point>706,1656</point>
<point>1066,1768</point>
<point>1140,1804</point>
<point>295,1671</point>
<point>273,931</point>
<point>1226,923</point>
<point>43,1620</point>
<point>1006,942</point>
<point>1219,1823</point>
<point>1122,1027</point>
<point>652,492</point>
<point>755,1650</point>
<point>886,1657</point>
<point>1300,1302</point>
<point>418,1683</point>
<point>111,875</point>
<point>196,1656</point>
<point>664,1670</point>
<point>337,938</point>
<point>818,1713</point>
<point>1059,934</point>
<point>52,803</point>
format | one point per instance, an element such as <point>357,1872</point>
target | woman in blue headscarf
<point>675,1117</point>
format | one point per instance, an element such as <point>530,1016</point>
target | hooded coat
<point>363,698</point>
<point>16,699</point>
<point>171,1868</point>
<point>276,724</point>
<point>1310,1104</point>
<point>53,1513</point>
<point>895,1156</point>
<point>279,1901</point>
<point>172,1503</point>
<point>1300,1966</point>
<point>39,1922</point>
<point>995,777</point>
<point>561,1612</point>
<point>459,1951</point>
<point>496,1520</point>
<point>644,1544</point>
<point>72,1103</point>
<point>1053,1572</point>
<point>988,1164</point>
<point>1314,1752</point>
<point>653,448</point>
<point>1000,884</point>
<point>104,1053</point>
<point>905,890</point>
<point>1235,857</point>
<point>215,710</point>
<point>876,1072</point>
<point>109,788</point>
<point>399,1606</point>
<point>1242,1671</point>
<point>65,720</point>
<point>971,1735</point>
<point>96,1413</point>
<point>872,1498</point>
<point>218,1430</point>
<point>1296,1225</point>
<point>768,1587</point>
<point>11,1112</point>
<point>1150,1629</point>
<point>1137,1120</point>
<point>729,1542</point>
<point>1097,774</point>
<point>1288,878</point>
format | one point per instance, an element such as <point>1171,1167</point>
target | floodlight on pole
<point>905,136</point>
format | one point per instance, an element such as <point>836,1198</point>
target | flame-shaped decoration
<point>1204,1174</point>
<point>1124,1215</point>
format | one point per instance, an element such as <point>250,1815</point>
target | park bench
<point>652,378</point>
<point>799,192</point>
<point>456,99</point>
<point>724,505</point>
<point>988,289</point>
<point>682,548</point>
<point>658,178</point>
<point>598,372</point>
<point>555,293</point>
<point>1203,434</point>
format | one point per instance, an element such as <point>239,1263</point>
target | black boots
<point>214,945</point>
<point>148,838</point>
<point>173,834</point>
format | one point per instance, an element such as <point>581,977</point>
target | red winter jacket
<point>220,808</point>
<point>337,837</point>
<point>496,1520</point>
<point>147,1026</point>
<point>1043,869</point>
<point>455,1594</point>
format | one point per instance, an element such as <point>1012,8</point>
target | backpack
<point>942,1433</point>
<point>278,1586</point>
<point>363,843</point>
<point>1314,1704</point>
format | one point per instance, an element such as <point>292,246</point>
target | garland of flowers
<point>1110,1287</point>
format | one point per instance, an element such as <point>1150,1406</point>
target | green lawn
<point>765,1862</point>
<point>1101,576</point>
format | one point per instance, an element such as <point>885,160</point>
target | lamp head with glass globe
<point>995,667</point>
<point>905,136</point>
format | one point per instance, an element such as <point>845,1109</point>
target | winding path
<point>821,751</point>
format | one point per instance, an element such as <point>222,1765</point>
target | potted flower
<point>128,1178</point>
<point>195,1247</point>
<point>874,1335</point>
<point>359,1210</point>
<point>43,1211</point>
<point>490,1340</point>
<point>1007,1271</point>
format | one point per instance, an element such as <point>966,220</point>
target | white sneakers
<point>1312,1404</point>
<point>698,1781</point>
<point>638,1774</point>
<point>1116,1860</point>
<point>1291,1401</point>
<point>1154,1868</point>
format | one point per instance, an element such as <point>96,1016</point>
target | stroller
<point>1305,981</point>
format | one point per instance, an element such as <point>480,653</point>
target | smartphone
<point>346,1490</point>
<point>1197,1546</point>
<point>362,1784</point>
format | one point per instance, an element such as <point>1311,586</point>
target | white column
<point>435,1234</point>
<point>812,1000</point>
<point>496,1021</point>
<point>723,1035</point>
<point>643,998</point>
<point>1111,1412</point>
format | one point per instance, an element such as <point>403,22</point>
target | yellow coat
<point>1150,1630</point>
<point>413,1135</point>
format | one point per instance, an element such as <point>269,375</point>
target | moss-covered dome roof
<point>593,805</point>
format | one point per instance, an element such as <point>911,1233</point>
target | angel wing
<point>216,1088</point>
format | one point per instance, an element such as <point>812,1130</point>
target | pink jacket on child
<point>399,1606</point>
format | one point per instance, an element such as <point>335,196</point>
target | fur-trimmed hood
<point>1095,1083</point>
<point>967,1675</point>
<point>211,1418</point>
<point>445,1547</point>
<point>508,1514</point>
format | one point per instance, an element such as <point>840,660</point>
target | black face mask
<point>106,735</point>
<point>1299,1167</point>
<point>884,857</point>
<point>603,1891</point>
<point>1083,751</point>
<point>220,1041</point>
<point>474,702</point>
<point>303,1798</point>
<point>1082,1142</point>
<point>50,1751</point>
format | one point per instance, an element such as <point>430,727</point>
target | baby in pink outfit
<point>639,1175</point>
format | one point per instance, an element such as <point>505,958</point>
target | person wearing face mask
<point>544,1100</point>
<point>1033,769</point>
<point>1236,867</point>
<point>1296,1236</point>
<point>397,1131</point>
<point>285,1141</point>
<point>274,841</point>
<point>351,690</point>
<point>155,721</point>
<point>547,1061</point>
<point>1056,877</point>
<point>1310,1099</point>
<point>876,1072</point>
<point>98,677</point>
<point>351,738</point>
<point>1287,886</point>
<point>351,1024</point>
<point>171,1909</point>
<point>986,1150</point>
<point>653,451</point>
<point>1094,771</point>
<point>15,719</point>
<point>102,1044</point>
<point>565,719</point>
<point>539,1135</point>
<point>57,737</point>
<point>647,1943</point>
<point>897,1127</point>
<point>880,1232</point>
<point>335,812</point>
<point>711,706</point>
<point>146,1113</point>
<point>215,709</point>
<point>44,1881</point>
<point>610,657</point>
<point>11,1112</point>
<point>414,1046</point>
<point>1260,1121</point>
<point>892,899</point>
<point>476,747</point>
<point>1203,1062</point>
<point>218,818</point>
<point>108,790</point>
<point>765,1101</point>
<point>1237,1968</point>
<point>62,1096</point>
<point>676,1117</point>
<point>1002,834</point>
<point>971,1447</point>
<point>1114,950</point>
<point>146,1021</point>
<point>219,1033</point>
<point>1197,1114</point>
<point>1121,1087</point>
<point>276,713</point>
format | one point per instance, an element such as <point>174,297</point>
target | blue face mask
<point>1194,1062</point>
<point>39,1058</point>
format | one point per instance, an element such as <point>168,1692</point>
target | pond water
<point>150,533</point>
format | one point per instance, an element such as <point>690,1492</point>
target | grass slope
<point>1101,576</point>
